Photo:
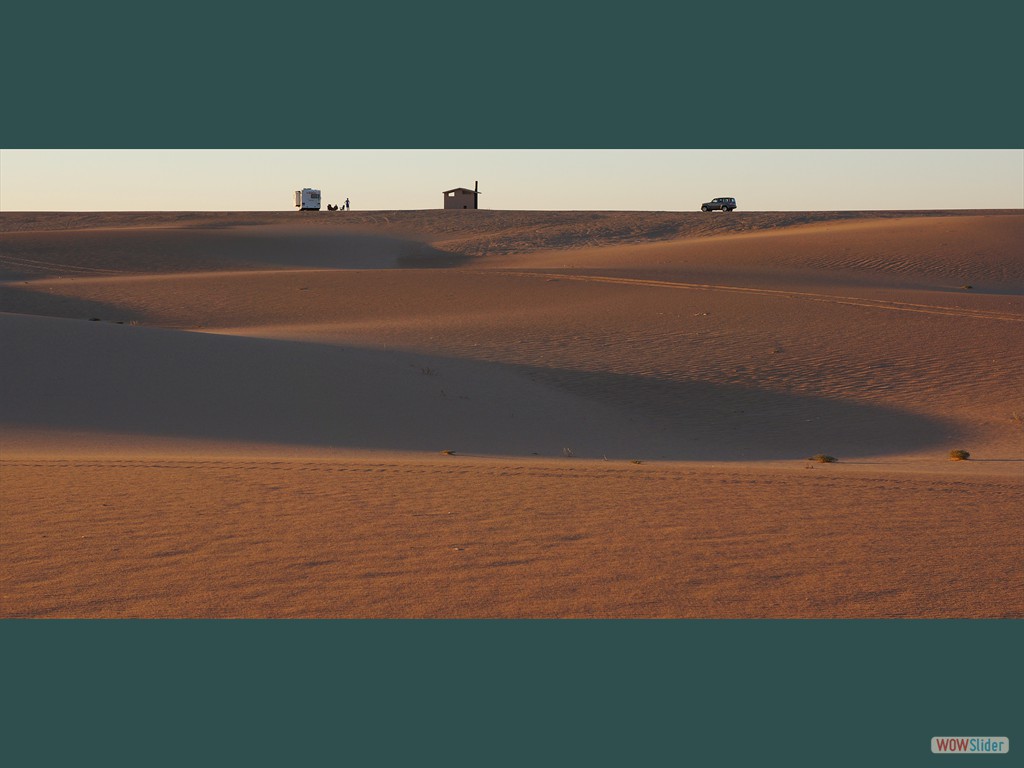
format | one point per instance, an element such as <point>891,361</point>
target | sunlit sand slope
<point>482,413</point>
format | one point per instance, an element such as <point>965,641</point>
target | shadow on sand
<point>136,381</point>
<point>107,253</point>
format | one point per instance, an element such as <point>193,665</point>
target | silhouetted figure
<point>346,204</point>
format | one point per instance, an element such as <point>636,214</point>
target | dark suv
<point>720,204</point>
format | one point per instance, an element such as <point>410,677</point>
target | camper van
<point>307,199</point>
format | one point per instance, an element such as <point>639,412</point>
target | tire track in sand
<point>896,306</point>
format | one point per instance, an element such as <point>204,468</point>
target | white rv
<point>307,199</point>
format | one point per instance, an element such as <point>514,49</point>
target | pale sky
<point>650,180</point>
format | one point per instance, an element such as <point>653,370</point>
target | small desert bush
<point>823,458</point>
<point>959,455</point>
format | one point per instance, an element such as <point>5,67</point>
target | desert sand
<point>512,414</point>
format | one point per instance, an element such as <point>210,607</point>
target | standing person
<point>346,203</point>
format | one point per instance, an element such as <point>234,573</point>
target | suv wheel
<point>704,208</point>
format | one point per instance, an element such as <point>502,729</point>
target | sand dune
<point>133,385</point>
<point>614,389</point>
<point>114,251</point>
<point>419,537</point>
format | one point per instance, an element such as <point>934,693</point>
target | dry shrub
<point>823,458</point>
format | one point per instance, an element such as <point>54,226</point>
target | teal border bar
<point>499,693</point>
<point>460,75</point>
